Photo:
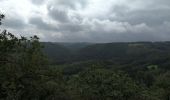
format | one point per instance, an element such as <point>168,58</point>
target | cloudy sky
<point>88,20</point>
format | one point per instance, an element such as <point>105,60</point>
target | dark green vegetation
<point>83,71</point>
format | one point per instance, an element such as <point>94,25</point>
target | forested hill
<point>112,71</point>
<point>63,52</point>
<point>73,52</point>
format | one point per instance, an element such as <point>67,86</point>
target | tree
<point>2,16</point>
<point>24,70</point>
<point>162,86</point>
<point>20,65</point>
<point>102,84</point>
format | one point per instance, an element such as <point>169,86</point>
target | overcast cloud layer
<point>89,20</point>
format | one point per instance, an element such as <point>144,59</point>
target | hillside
<point>119,71</point>
<point>151,52</point>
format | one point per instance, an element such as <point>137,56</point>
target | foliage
<point>2,16</point>
<point>101,84</point>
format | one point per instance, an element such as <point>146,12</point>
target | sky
<point>88,20</point>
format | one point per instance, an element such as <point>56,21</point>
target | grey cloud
<point>119,9</point>
<point>37,2</point>
<point>148,16</point>
<point>124,32</point>
<point>40,24</point>
<point>125,25</point>
<point>72,3</point>
<point>159,3</point>
<point>14,23</point>
<point>58,15</point>
<point>71,27</point>
<point>120,23</point>
<point>99,31</point>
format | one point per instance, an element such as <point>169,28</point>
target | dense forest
<point>33,70</point>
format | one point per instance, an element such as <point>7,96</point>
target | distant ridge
<point>70,52</point>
